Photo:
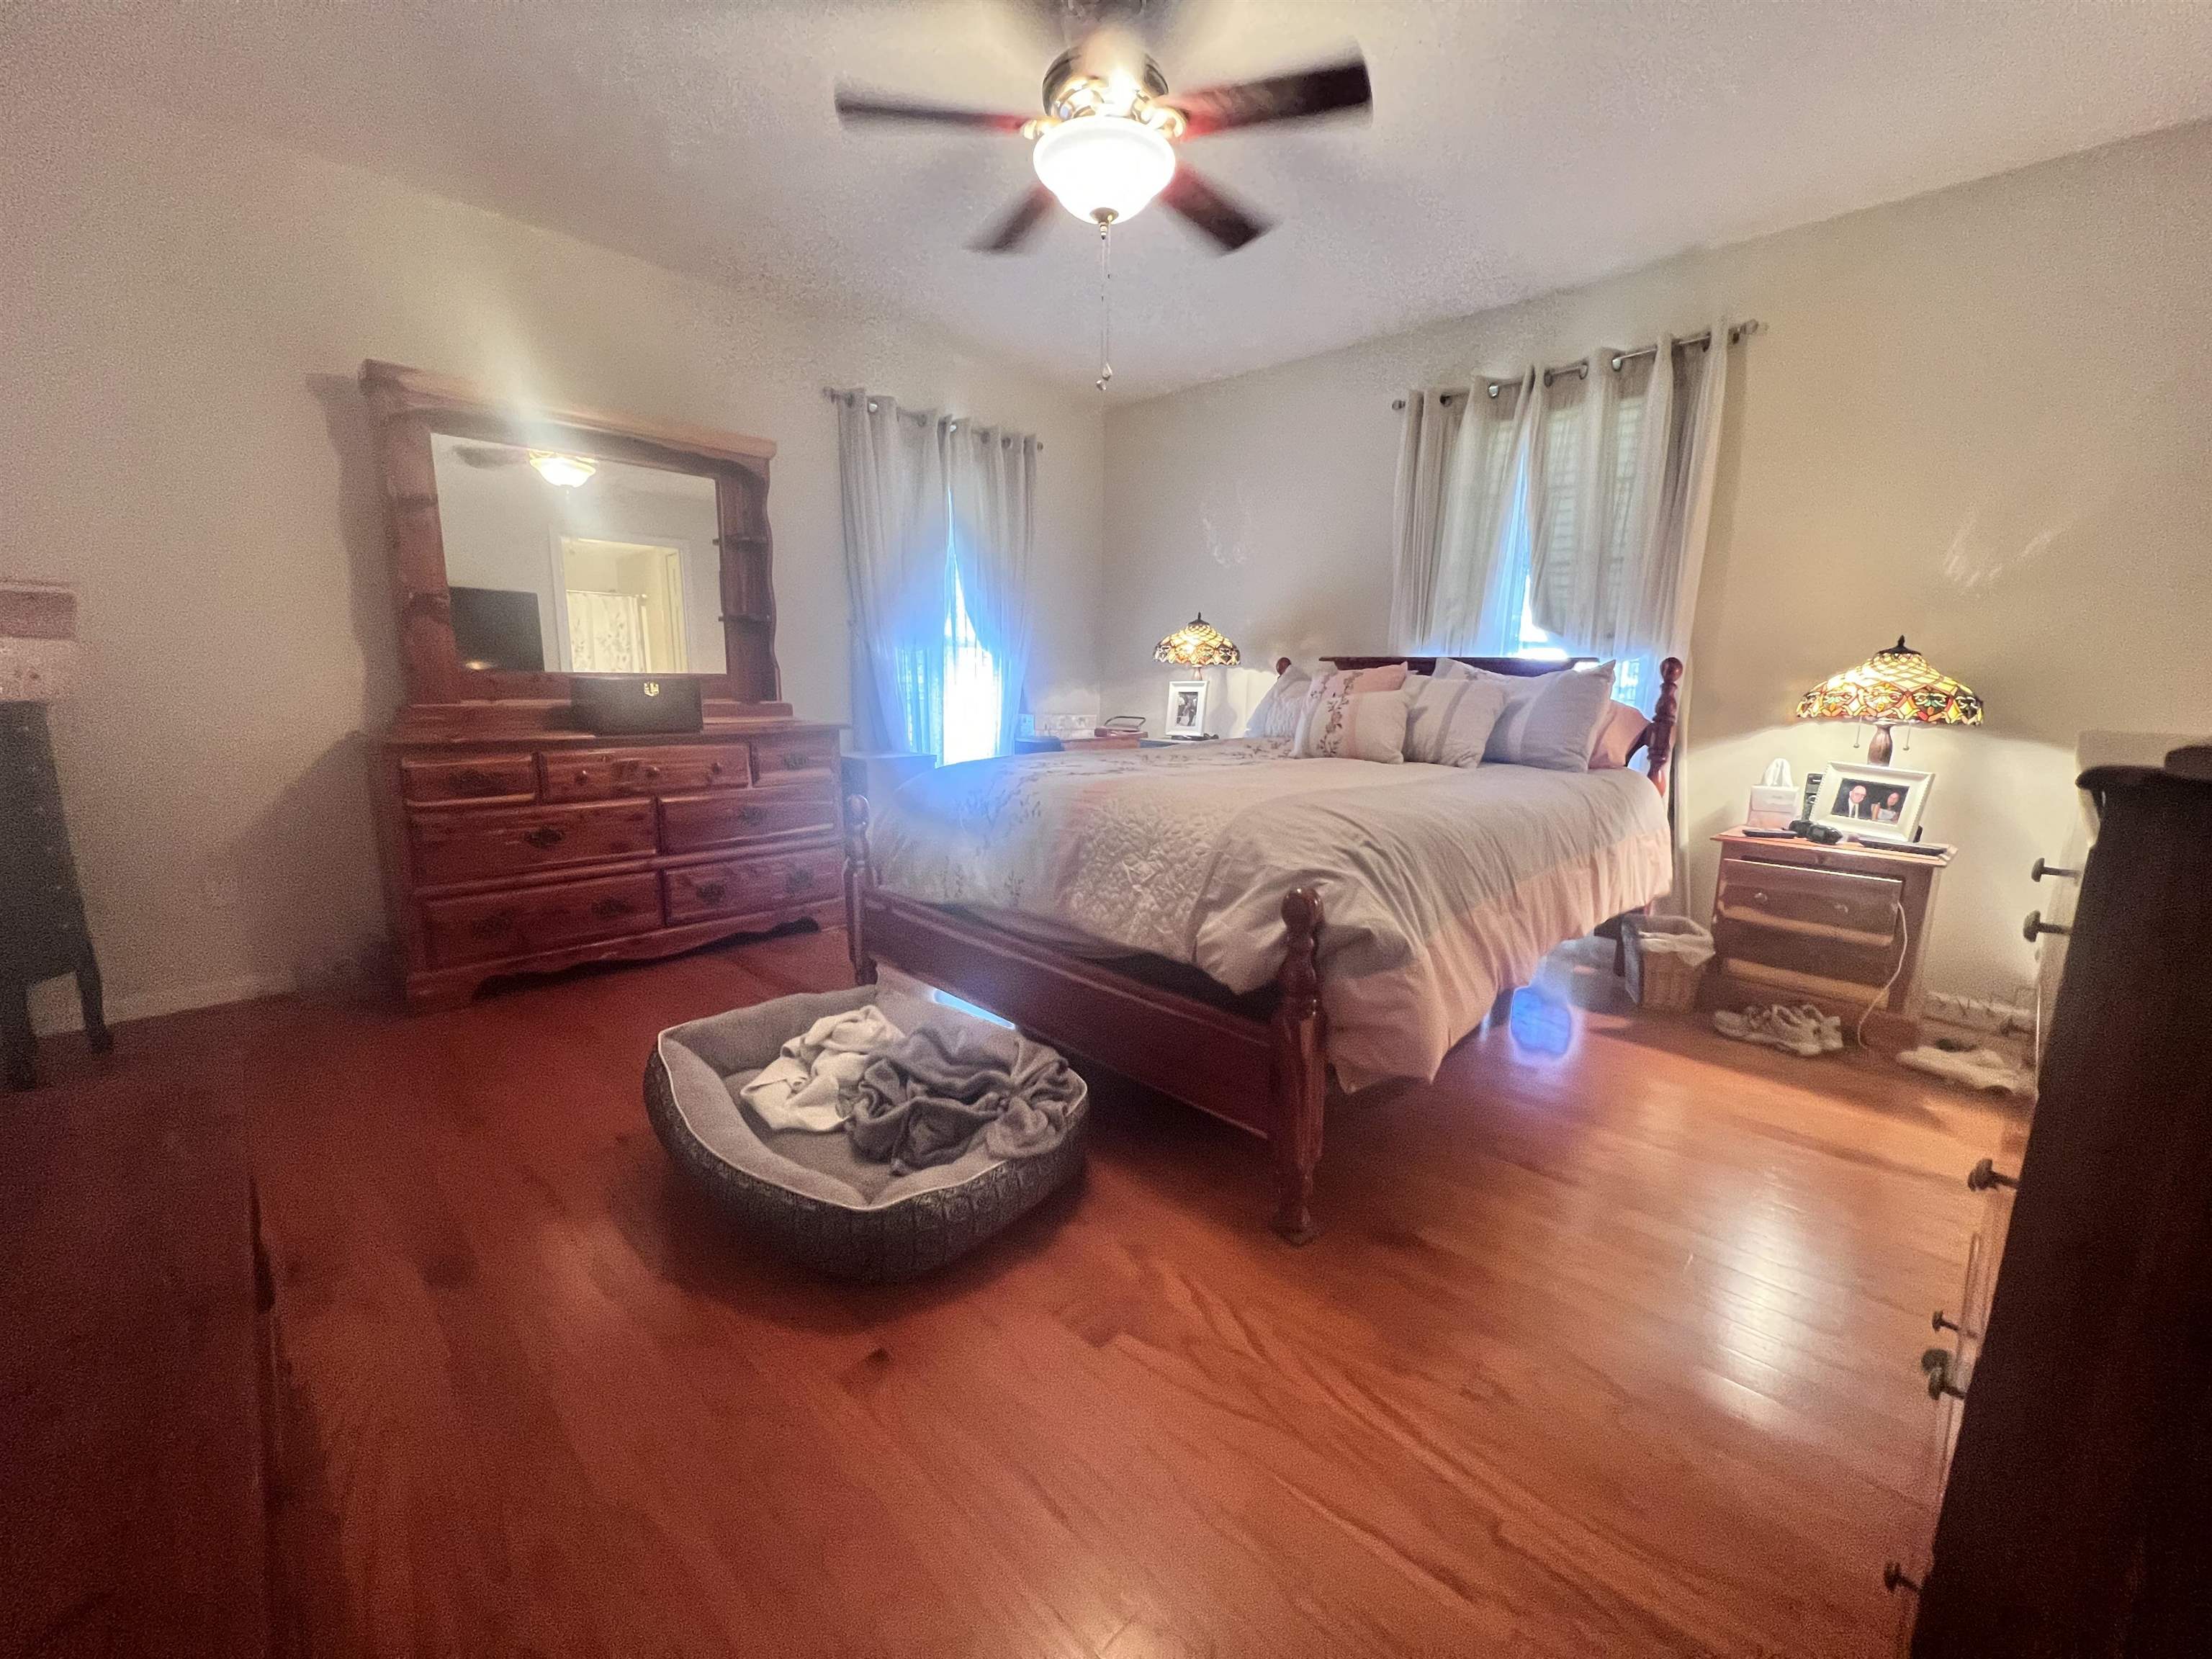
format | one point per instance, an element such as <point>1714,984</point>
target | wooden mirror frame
<point>406,405</point>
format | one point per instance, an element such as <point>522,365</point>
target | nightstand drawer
<point>1825,904</point>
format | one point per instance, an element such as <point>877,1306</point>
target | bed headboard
<point>1657,743</point>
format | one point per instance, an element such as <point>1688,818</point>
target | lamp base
<point>1878,747</point>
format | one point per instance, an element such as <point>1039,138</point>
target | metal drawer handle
<point>1939,1322</point>
<point>1984,1175</point>
<point>612,907</point>
<point>651,773</point>
<point>750,815</point>
<point>2039,870</point>
<point>714,768</point>
<point>711,892</point>
<point>545,835</point>
<point>583,775</point>
<point>1939,1364</point>
<point>1893,1579</point>
<point>2035,924</point>
<point>799,880</point>
<point>1761,898</point>
<point>795,760</point>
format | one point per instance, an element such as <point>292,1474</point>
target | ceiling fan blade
<point>1188,194</point>
<point>1331,89</point>
<point>1011,232</point>
<point>857,107</point>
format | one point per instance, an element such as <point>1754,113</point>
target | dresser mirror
<point>576,563</point>
<point>531,542</point>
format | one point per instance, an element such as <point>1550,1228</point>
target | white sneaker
<point>1774,1025</point>
<point>1826,1028</point>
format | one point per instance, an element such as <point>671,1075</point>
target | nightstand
<point>1796,921</point>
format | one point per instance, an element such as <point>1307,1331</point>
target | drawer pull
<point>714,768</point>
<point>651,773</point>
<point>1893,1579</point>
<point>750,815</point>
<point>2035,924</point>
<point>795,760</point>
<point>493,924</point>
<point>2039,870</point>
<point>1984,1175</point>
<point>1938,1363</point>
<point>583,775</point>
<point>799,880</point>
<point>545,835</point>
<point>711,892</point>
<point>1939,1322</point>
<point>610,907</point>
<point>475,782</point>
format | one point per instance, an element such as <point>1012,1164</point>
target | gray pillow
<point>1452,715</point>
<point>1276,713</point>
<point>1550,720</point>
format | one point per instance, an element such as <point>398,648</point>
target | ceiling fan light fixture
<point>1103,168</point>
<point>567,470</point>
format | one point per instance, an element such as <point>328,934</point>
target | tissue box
<point>1773,806</point>
<point>38,641</point>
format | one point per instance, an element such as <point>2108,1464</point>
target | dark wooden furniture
<point>42,928</point>
<point>513,843</point>
<point>1843,928</point>
<point>2077,1517</point>
<point>1260,1061</point>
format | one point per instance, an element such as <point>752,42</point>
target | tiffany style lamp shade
<point>1197,644</point>
<point>1896,687</point>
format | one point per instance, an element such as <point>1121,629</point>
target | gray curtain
<point>891,483</point>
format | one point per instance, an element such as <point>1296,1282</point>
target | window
<point>972,701</point>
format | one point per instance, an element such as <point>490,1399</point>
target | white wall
<point>182,316</point>
<point>1981,418</point>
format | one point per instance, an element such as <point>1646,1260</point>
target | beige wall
<point>1982,418</point>
<point>182,320</point>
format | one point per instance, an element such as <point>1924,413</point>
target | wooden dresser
<point>546,850</point>
<point>512,840</point>
<point>1798,921</point>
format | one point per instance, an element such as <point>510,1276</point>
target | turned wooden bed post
<point>860,877</point>
<point>1659,742</point>
<point>1301,1069</point>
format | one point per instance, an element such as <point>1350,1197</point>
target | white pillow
<point>1341,724</point>
<point>1550,720</point>
<point>1276,714</point>
<point>1450,721</point>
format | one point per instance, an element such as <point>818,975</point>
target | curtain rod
<point>1618,359</point>
<point>837,395</point>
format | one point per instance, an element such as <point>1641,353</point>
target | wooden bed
<point>1260,1060</point>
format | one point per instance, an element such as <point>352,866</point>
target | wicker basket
<point>1666,959</point>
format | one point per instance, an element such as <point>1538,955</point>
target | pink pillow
<point>1617,735</point>
<point>1368,725</point>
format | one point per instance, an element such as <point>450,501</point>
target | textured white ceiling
<point>1516,146</point>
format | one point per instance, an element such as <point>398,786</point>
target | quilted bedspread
<point>1439,885</point>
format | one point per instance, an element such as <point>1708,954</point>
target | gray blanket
<point>924,1099</point>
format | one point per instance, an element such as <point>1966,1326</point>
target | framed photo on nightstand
<point>1873,803</point>
<point>1186,708</point>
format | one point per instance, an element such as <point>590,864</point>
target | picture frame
<point>1186,708</point>
<point>1872,803</point>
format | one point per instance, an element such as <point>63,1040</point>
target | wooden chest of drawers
<point>546,849</point>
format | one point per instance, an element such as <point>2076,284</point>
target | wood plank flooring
<point>1608,1348</point>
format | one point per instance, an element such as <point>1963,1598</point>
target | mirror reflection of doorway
<point>623,606</point>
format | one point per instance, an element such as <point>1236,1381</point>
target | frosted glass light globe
<point>1103,168</point>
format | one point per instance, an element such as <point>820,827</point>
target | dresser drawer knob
<point>545,835</point>
<point>711,892</point>
<point>1984,1175</point>
<point>714,768</point>
<point>795,760</point>
<point>1938,1363</point>
<point>2035,924</point>
<point>749,815</point>
<point>799,880</point>
<point>2039,870</point>
<point>651,773</point>
<point>1939,1322</point>
<point>1893,1579</point>
<point>611,905</point>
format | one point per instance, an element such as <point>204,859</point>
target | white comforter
<point>1438,885</point>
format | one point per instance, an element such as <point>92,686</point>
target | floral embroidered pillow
<point>1340,723</point>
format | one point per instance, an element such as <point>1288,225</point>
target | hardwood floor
<point>1608,1348</point>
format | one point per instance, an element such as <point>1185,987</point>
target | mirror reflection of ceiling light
<point>567,470</point>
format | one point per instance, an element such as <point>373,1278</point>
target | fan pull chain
<point>1105,302</point>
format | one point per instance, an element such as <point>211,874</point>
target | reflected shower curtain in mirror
<point>991,484</point>
<point>891,483</point>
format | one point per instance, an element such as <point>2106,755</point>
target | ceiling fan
<point>1105,145</point>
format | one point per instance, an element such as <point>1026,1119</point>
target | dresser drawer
<point>799,758</point>
<point>733,887</point>
<point>472,845</point>
<point>691,823</point>
<point>485,926</point>
<point>1832,905</point>
<point>604,774</point>
<point>490,777</point>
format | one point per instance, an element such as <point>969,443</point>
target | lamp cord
<point>1904,950</point>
